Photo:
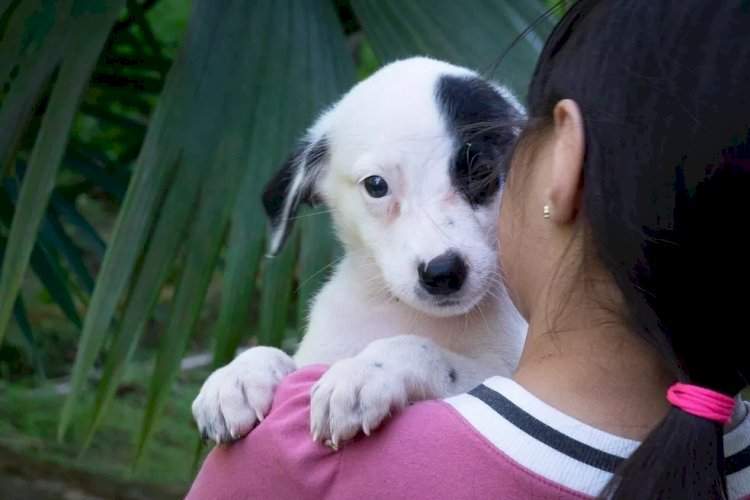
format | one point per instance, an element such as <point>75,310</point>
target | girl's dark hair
<point>664,89</point>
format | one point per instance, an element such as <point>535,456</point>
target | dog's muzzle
<point>443,275</point>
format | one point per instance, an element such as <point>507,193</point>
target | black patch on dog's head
<point>484,126</point>
<point>294,183</point>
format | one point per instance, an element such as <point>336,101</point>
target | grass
<point>28,423</point>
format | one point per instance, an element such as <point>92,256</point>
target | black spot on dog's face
<point>483,125</point>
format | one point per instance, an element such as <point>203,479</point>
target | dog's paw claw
<point>236,397</point>
<point>352,397</point>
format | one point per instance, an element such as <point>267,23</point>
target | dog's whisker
<point>484,319</point>
<point>437,226</point>
<point>328,266</point>
<point>311,214</point>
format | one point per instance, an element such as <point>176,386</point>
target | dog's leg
<point>359,392</point>
<point>237,396</point>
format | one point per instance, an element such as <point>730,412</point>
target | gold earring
<point>546,211</point>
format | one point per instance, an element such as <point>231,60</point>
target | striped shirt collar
<point>565,450</point>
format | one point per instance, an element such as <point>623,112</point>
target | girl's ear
<point>567,161</point>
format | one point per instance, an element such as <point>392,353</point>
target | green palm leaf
<point>233,104</point>
<point>278,71</point>
<point>471,33</point>
<point>322,70</point>
<point>22,320</point>
<point>24,325</point>
<point>81,38</point>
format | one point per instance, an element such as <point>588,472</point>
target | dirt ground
<point>22,478</point>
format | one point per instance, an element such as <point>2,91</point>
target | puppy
<point>409,163</point>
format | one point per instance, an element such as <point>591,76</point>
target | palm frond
<point>75,44</point>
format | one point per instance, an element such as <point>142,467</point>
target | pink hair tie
<point>701,402</point>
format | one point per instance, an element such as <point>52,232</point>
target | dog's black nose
<point>443,275</point>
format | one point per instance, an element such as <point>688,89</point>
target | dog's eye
<point>376,186</point>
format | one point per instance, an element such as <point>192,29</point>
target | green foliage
<point>179,137</point>
<point>28,420</point>
<point>66,39</point>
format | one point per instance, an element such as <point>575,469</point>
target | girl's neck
<point>598,372</point>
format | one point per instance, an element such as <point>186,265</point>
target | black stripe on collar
<point>738,461</point>
<point>544,433</point>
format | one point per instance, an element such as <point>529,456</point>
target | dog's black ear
<point>293,184</point>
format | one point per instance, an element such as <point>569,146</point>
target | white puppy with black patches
<point>409,162</point>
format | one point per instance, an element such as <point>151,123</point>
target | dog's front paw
<point>354,394</point>
<point>238,396</point>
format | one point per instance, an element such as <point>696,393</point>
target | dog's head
<point>409,163</point>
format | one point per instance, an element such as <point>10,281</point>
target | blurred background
<point>135,140</point>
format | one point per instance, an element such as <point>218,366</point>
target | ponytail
<point>682,458</point>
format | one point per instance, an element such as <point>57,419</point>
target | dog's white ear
<point>293,184</point>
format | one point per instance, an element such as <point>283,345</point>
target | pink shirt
<point>496,442</point>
